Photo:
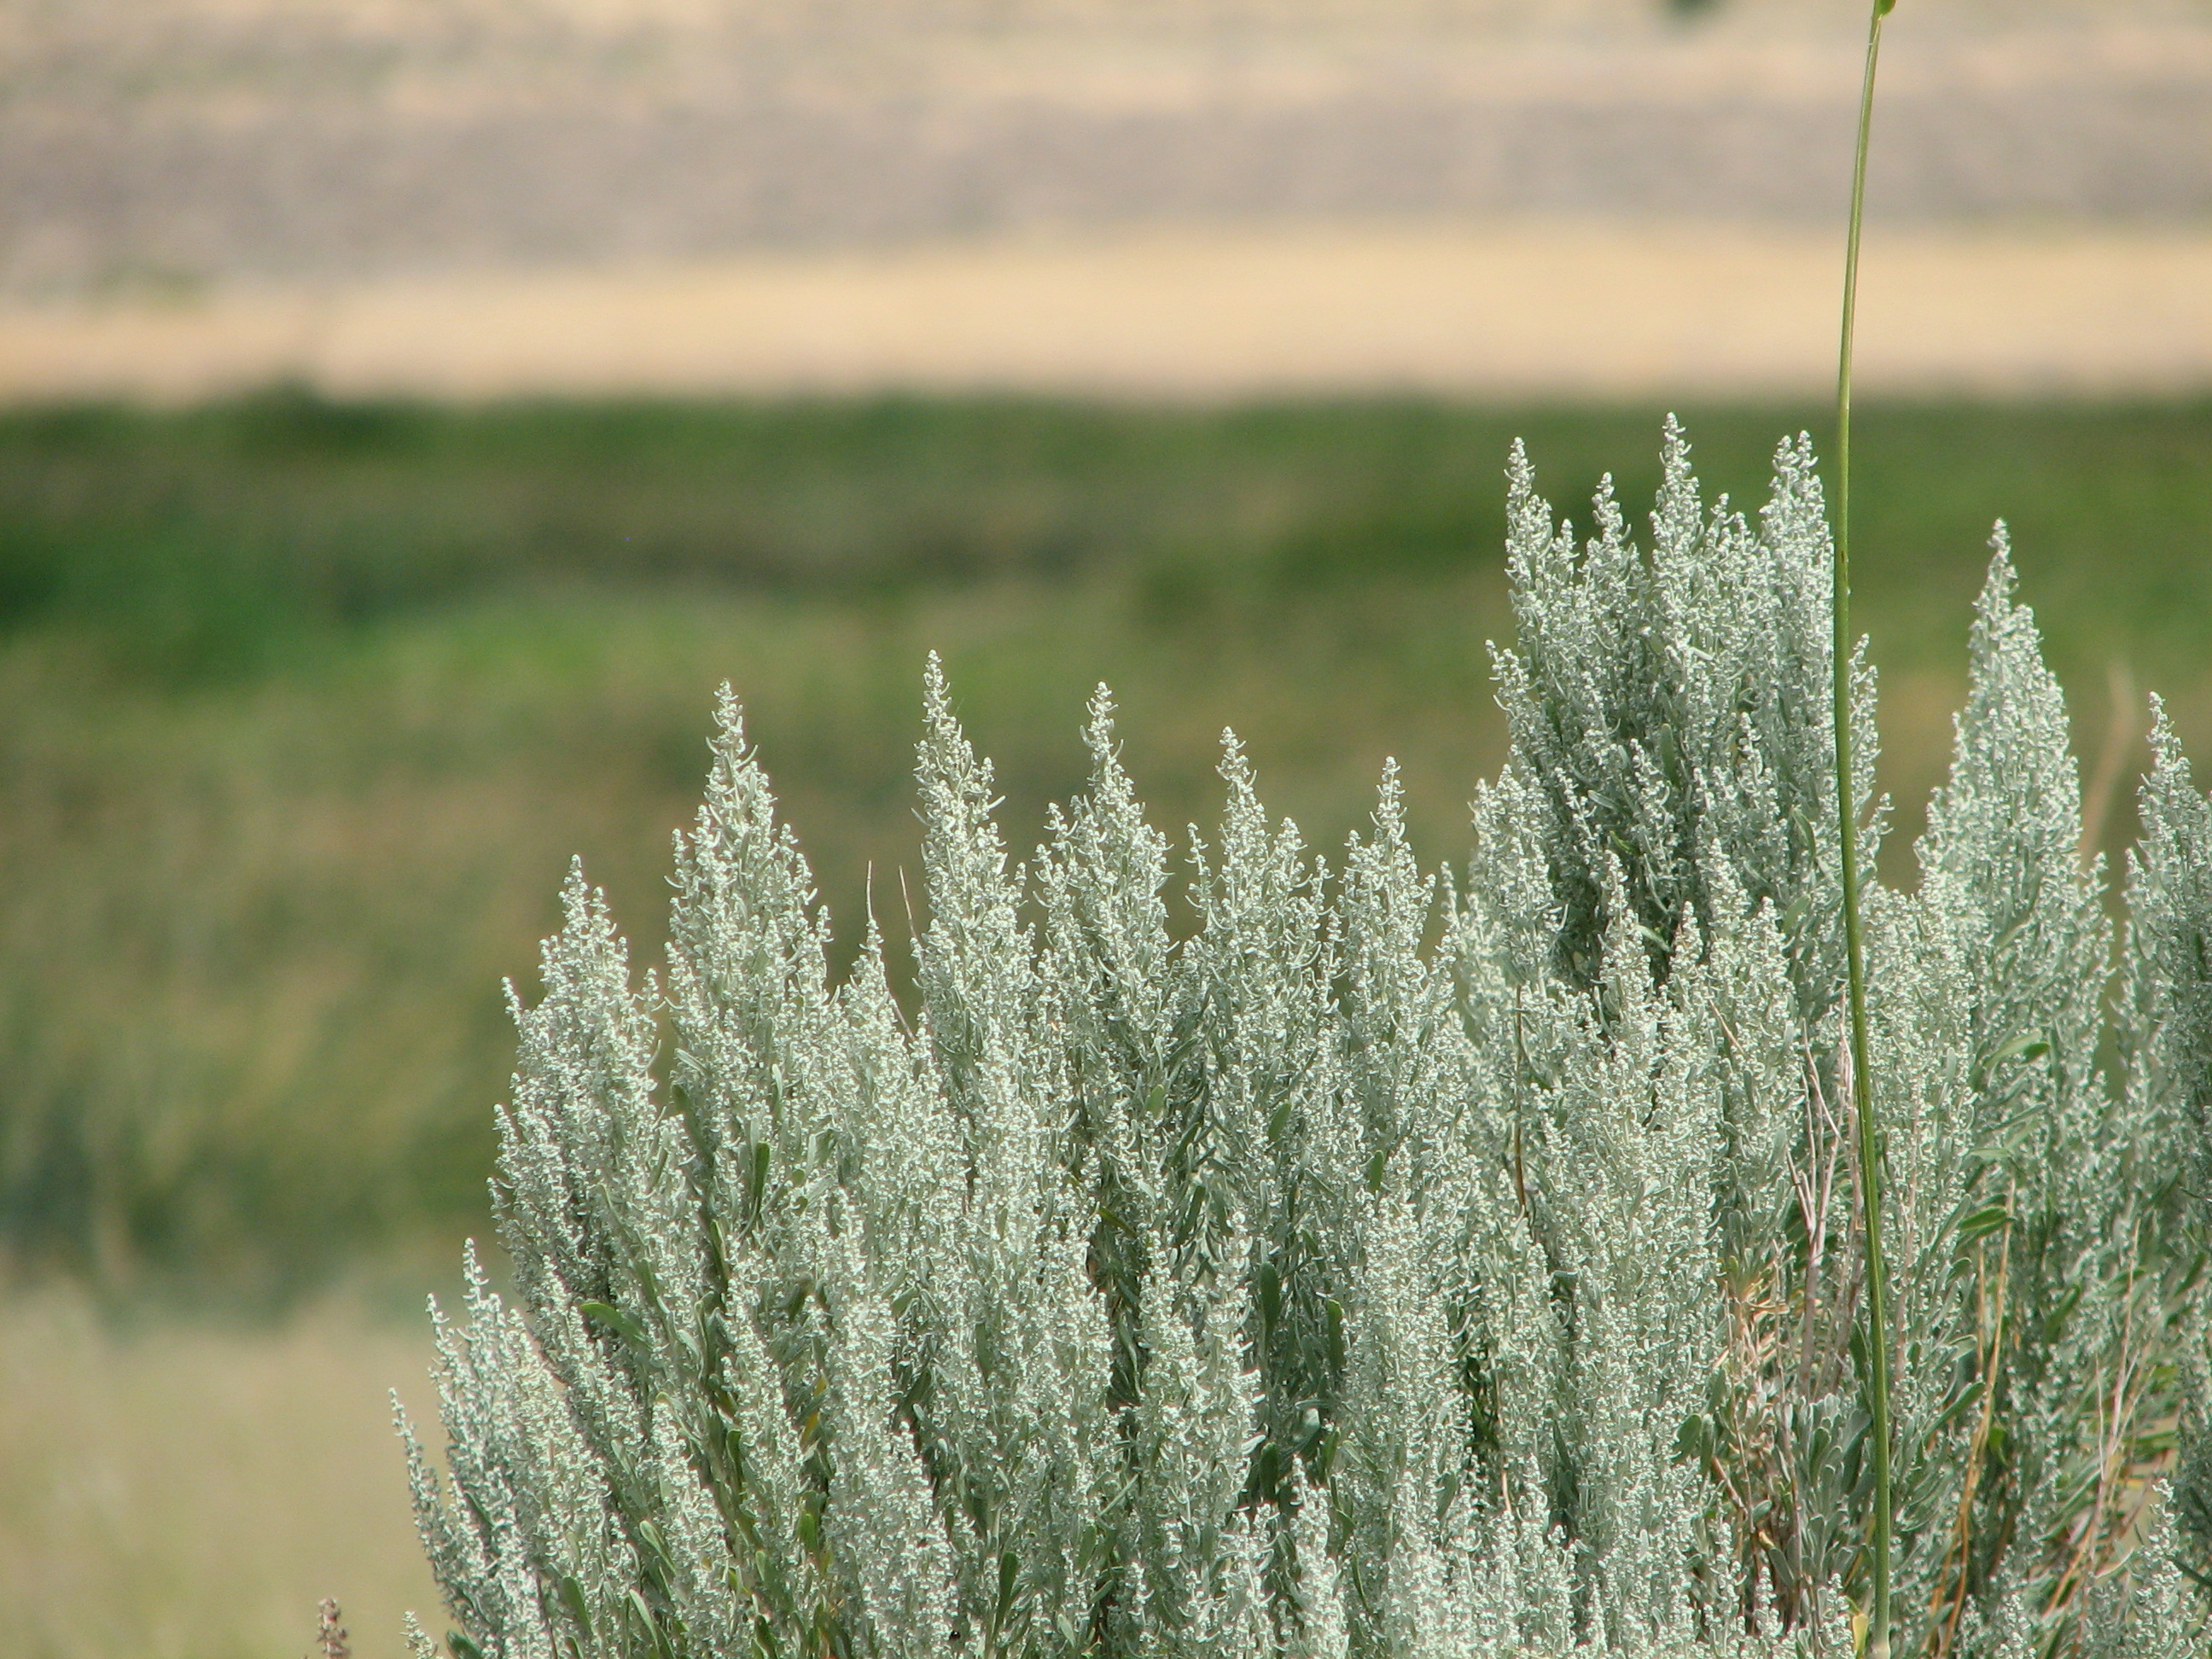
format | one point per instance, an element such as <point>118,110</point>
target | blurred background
<point>410,410</point>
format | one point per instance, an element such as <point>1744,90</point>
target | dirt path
<point>1578,310</point>
<point>472,198</point>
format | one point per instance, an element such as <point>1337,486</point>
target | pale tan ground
<point>472,198</point>
<point>190,143</point>
<point>1579,310</point>
<point>189,1490</point>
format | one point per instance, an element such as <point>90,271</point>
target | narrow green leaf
<point>615,1319</point>
<point>572,1597</point>
<point>1983,1222</point>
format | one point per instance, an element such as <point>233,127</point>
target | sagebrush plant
<point>1392,1265</point>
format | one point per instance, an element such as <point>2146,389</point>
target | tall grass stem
<point>1868,1135</point>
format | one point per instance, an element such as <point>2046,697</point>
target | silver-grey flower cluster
<point>1380,1269</point>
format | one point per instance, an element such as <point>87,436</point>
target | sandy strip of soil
<point>1516,310</point>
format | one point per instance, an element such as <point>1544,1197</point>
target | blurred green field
<point>308,706</point>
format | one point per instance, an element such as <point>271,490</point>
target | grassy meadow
<point>308,705</point>
<point>189,1488</point>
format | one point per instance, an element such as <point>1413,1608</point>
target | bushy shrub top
<point>1390,1266</point>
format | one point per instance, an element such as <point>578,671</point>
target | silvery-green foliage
<point>1387,1269</point>
<point>2169,991</point>
<point>1672,710</point>
<point>2168,1031</point>
<point>2142,1609</point>
<point>2030,1172</point>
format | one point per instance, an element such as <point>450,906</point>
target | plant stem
<point>1869,1135</point>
